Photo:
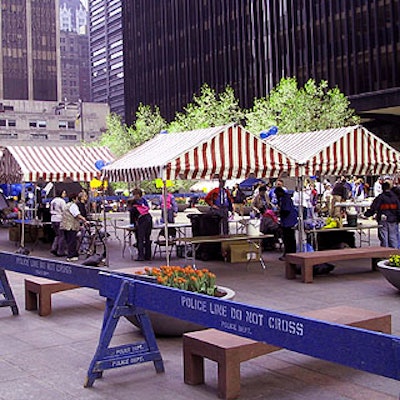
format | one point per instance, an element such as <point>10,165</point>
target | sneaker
<point>73,259</point>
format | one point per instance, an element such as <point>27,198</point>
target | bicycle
<point>92,239</point>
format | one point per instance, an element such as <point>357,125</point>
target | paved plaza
<point>48,357</point>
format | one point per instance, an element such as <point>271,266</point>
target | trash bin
<point>206,225</point>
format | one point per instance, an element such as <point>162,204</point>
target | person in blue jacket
<point>288,216</point>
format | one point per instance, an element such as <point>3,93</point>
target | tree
<point>121,138</point>
<point>208,110</point>
<point>292,109</point>
<point>117,137</point>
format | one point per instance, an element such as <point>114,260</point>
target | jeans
<point>388,234</point>
<point>58,245</point>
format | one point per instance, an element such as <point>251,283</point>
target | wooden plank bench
<point>38,292</point>
<point>230,350</point>
<point>307,260</point>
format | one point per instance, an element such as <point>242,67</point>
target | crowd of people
<point>278,208</point>
<point>273,204</point>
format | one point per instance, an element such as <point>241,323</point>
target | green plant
<point>180,200</point>
<point>394,261</point>
<point>185,278</point>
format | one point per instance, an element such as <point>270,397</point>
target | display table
<point>345,234</point>
<point>192,243</point>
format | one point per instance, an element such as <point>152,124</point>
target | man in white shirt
<point>70,224</point>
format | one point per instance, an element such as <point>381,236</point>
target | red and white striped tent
<point>229,151</point>
<point>350,150</point>
<point>51,164</point>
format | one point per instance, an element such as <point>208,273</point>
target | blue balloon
<point>164,132</point>
<point>264,134</point>
<point>273,130</point>
<point>99,164</point>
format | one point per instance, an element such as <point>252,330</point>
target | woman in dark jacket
<point>141,218</point>
<point>288,215</point>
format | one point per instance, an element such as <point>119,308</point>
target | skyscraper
<point>29,55</point>
<point>106,54</point>
<point>74,51</point>
<point>172,47</point>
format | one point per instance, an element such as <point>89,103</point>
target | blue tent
<point>249,183</point>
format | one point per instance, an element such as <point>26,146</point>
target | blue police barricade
<point>377,353</point>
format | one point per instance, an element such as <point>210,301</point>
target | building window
<point>32,124</point>
<point>71,124</point>
<point>68,137</point>
<point>12,135</point>
<point>3,122</point>
<point>62,124</point>
<point>38,136</point>
<point>42,124</point>
<point>12,122</point>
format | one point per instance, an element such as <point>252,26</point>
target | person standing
<point>171,208</point>
<point>221,201</point>
<point>339,193</point>
<point>70,225</point>
<point>288,216</point>
<point>261,201</point>
<point>82,203</point>
<point>272,194</point>
<point>386,207</point>
<point>140,217</point>
<point>239,199</point>
<point>378,186</point>
<point>57,207</point>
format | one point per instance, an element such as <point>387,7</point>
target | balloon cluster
<point>270,132</point>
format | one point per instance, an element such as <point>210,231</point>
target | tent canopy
<point>350,150</point>
<point>55,164</point>
<point>229,151</point>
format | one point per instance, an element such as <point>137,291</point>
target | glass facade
<point>28,52</point>
<point>172,47</point>
<point>106,54</point>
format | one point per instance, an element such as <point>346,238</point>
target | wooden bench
<point>229,350</point>
<point>307,260</point>
<point>38,292</point>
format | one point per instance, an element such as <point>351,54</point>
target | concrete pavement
<point>48,357</point>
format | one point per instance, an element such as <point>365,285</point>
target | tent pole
<point>22,244</point>
<point>105,228</point>
<point>164,211</point>
<point>301,219</point>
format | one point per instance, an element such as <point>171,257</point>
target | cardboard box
<point>241,251</point>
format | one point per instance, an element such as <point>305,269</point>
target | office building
<point>172,47</point>
<point>74,51</point>
<point>29,55</point>
<point>51,123</point>
<point>106,54</point>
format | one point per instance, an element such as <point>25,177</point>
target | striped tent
<point>351,150</point>
<point>51,164</point>
<point>229,151</point>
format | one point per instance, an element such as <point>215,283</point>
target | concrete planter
<point>164,325</point>
<point>203,209</point>
<point>392,274</point>
<point>182,207</point>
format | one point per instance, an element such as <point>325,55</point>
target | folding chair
<point>161,243</point>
